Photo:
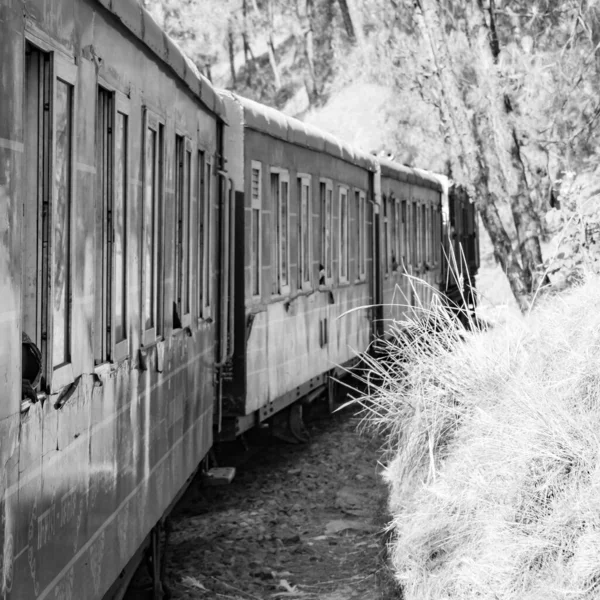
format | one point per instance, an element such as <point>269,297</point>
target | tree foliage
<point>499,94</point>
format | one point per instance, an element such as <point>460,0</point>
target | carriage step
<point>219,476</point>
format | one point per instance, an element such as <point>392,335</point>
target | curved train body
<point>189,264</point>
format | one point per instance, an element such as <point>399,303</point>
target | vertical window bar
<point>343,235</point>
<point>104,271</point>
<point>386,261</point>
<point>276,214</point>
<point>208,255</point>
<point>306,237</point>
<point>200,216</point>
<point>179,204</point>
<point>323,206</point>
<point>255,193</point>
<point>120,228</point>
<point>329,232</point>
<point>285,242</point>
<point>187,233</point>
<point>149,314</point>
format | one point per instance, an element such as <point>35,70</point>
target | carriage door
<point>226,277</point>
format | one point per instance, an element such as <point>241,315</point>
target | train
<point>179,265</point>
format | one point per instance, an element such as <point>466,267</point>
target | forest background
<point>499,95</point>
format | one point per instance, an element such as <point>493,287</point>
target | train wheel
<point>288,426</point>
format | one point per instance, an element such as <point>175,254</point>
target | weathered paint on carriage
<point>82,485</point>
<point>402,292</point>
<point>285,345</point>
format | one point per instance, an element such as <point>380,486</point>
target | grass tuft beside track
<point>494,446</point>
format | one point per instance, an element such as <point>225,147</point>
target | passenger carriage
<point>110,150</point>
<point>305,284</point>
<point>411,220</point>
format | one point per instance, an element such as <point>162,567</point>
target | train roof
<point>400,172</point>
<point>142,25</point>
<point>274,123</point>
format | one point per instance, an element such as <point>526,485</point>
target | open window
<point>112,121</point>
<point>386,236</point>
<point>255,228</point>
<point>326,203</point>
<point>183,208</point>
<point>343,235</point>
<point>304,232</point>
<point>152,222</point>
<point>360,232</point>
<point>49,133</point>
<point>280,202</point>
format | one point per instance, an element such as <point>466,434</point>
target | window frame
<point>326,208</point>
<point>404,224</point>
<point>304,181</point>
<point>385,217</point>
<point>152,120</point>
<point>256,205</point>
<point>361,230</point>
<point>283,178</point>
<point>183,213</point>
<point>208,253</point>
<point>119,350</point>
<point>66,71</point>
<point>343,253</point>
<point>398,234</point>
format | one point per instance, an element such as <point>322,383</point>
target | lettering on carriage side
<point>56,517</point>
<point>68,506</point>
<point>46,526</point>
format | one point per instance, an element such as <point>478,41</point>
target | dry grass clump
<point>495,454</point>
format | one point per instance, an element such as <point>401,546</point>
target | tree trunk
<point>468,158</point>
<point>231,49</point>
<point>306,16</point>
<point>525,216</point>
<point>270,44</point>
<point>352,22</point>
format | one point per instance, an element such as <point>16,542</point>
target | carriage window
<point>397,235</point>
<point>343,224</point>
<point>360,229</point>
<point>207,246</point>
<point>386,237</point>
<point>284,241</point>
<point>304,231</point>
<point>280,202</point>
<point>413,235</point>
<point>203,219</point>
<point>111,186</point>
<point>104,188</point>
<point>404,240</point>
<point>63,163</point>
<point>183,159</point>
<point>120,229</point>
<point>36,221</point>
<point>256,199</point>
<point>152,226</point>
<point>326,200</point>
<point>424,233</point>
